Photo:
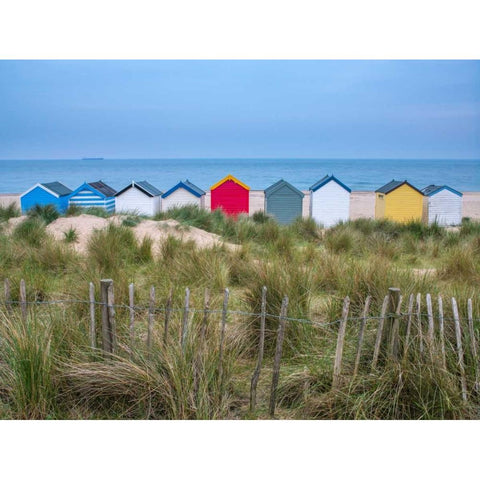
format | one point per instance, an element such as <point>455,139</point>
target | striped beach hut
<point>183,194</point>
<point>53,193</point>
<point>141,197</point>
<point>399,201</point>
<point>95,194</point>
<point>329,201</point>
<point>443,205</point>
<point>231,195</point>
<point>283,202</point>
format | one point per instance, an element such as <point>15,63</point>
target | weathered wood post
<point>108,315</point>
<point>278,355</point>
<point>394,347</point>
<point>91,297</point>
<point>186,310</point>
<point>8,295</point>
<point>473,344</point>
<point>378,339</point>
<point>392,322</point>
<point>261,344</point>
<point>361,332</point>
<point>337,366</point>
<point>168,311</point>
<point>206,308</point>
<point>131,307</point>
<point>222,336</point>
<point>151,318</point>
<point>431,326</point>
<point>441,331</point>
<point>458,335</point>
<point>409,326</point>
<point>419,323</point>
<point>23,299</point>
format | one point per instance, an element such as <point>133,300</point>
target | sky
<point>237,109</point>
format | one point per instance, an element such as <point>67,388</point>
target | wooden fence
<point>406,330</point>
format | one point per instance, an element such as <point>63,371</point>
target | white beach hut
<point>141,197</point>
<point>444,205</point>
<point>182,194</point>
<point>329,201</point>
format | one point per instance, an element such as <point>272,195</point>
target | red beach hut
<point>231,195</point>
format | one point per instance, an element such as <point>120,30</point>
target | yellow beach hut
<point>399,201</point>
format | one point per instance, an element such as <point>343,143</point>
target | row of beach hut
<point>329,199</point>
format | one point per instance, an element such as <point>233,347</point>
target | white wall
<point>135,200</point>
<point>330,204</point>
<point>445,208</point>
<point>180,198</point>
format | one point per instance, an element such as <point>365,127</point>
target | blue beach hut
<point>53,193</point>
<point>95,194</point>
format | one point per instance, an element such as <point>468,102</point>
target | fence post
<point>206,308</point>
<point>337,366</point>
<point>394,340</point>
<point>430,331</point>
<point>409,325</point>
<point>419,323</point>
<point>278,355</point>
<point>131,305</point>
<point>91,296</point>
<point>23,299</point>
<point>473,346</point>
<point>106,291</point>
<point>222,336</point>
<point>441,331</point>
<point>261,344</point>
<point>361,333</point>
<point>185,319</point>
<point>151,317</point>
<point>378,339</point>
<point>168,310</point>
<point>8,295</point>
<point>390,324</point>
<point>458,334</point>
<point>111,317</point>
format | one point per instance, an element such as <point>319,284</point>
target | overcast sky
<point>317,109</point>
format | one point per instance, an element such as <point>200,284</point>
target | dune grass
<point>48,370</point>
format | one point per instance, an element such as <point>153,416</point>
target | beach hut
<point>54,193</point>
<point>182,194</point>
<point>399,201</point>
<point>283,202</point>
<point>329,201</point>
<point>231,195</point>
<point>141,197</point>
<point>95,194</point>
<point>444,205</point>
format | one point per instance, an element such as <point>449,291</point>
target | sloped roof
<point>145,187</point>
<point>59,188</point>
<point>281,183</point>
<point>328,178</point>
<point>103,188</point>
<point>189,186</point>
<point>394,184</point>
<point>226,179</point>
<point>433,189</point>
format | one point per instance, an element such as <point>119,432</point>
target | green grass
<point>48,370</point>
<point>8,212</point>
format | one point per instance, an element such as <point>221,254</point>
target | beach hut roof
<point>226,179</point>
<point>282,183</point>
<point>394,184</point>
<point>433,189</point>
<point>189,186</point>
<point>145,187</point>
<point>103,188</point>
<point>57,189</point>
<point>328,178</point>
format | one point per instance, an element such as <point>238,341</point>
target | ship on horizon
<point>92,158</point>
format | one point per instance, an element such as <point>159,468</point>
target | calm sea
<point>19,175</point>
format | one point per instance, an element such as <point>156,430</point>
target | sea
<point>359,174</point>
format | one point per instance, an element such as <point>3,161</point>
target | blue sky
<point>316,109</point>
